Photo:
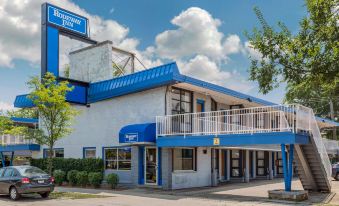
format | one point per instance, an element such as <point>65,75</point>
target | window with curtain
<point>184,159</point>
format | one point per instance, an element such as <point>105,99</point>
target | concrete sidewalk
<point>253,192</point>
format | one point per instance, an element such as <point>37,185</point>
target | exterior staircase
<point>313,164</point>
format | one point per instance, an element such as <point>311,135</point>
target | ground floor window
<point>55,153</point>
<point>184,159</point>
<point>117,158</point>
<point>89,152</point>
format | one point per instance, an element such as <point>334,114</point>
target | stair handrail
<point>306,122</point>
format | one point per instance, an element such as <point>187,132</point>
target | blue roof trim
<point>25,120</point>
<point>139,81</point>
<point>328,121</point>
<point>22,101</point>
<point>19,147</point>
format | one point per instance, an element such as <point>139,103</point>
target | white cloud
<point>203,68</point>
<point>4,106</point>
<point>197,33</point>
<point>232,45</point>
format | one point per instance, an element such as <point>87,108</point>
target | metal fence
<point>278,118</point>
<point>8,139</point>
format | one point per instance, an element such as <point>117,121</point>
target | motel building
<point>160,128</point>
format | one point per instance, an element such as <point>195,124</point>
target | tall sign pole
<point>56,21</point>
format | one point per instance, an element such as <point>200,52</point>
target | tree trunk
<point>49,160</point>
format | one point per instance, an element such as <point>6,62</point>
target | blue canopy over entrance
<point>138,134</point>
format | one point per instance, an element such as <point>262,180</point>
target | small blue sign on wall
<point>131,137</point>
<point>67,20</point>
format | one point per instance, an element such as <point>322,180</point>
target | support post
<point>12,157</point>
<point>290,165</point>
<point>254,164</point>
<point>285,166</point>
<point>228,168</point>
<point>247,166</point>
<point>270,165</point>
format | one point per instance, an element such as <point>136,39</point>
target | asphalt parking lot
<point>254,193</point>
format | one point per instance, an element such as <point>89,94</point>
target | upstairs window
<point>181,101</point>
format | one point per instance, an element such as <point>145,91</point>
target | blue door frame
<point>202,103</point>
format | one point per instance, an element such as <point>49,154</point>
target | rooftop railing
<point>8,139</point>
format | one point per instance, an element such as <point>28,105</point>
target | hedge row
<point>68,164</point>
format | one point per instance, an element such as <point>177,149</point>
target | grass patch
<point>73,195</point>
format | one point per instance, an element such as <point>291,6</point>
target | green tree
<point>24,113</point>
<point>307,60</point>
<point>55,113</point>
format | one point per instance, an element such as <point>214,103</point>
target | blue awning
<point>138,134</point>
<point>25,120</point>
<point>19,147</point>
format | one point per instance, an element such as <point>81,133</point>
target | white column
<point>254,164</point>
<point>247,166</point>
<point>228,169</point>
<point>270,165</point>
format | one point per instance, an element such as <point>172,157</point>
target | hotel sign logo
<point>131,137</point>
<point>67,20</point>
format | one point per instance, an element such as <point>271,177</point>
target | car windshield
<point>32,171</point>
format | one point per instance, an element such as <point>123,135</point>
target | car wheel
<point>337,177</point>
<point>44,195</point>
<point>13,193</point>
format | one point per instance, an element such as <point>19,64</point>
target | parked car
<point>335,171</point>
<point>17,180</point>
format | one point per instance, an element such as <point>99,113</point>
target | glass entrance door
<point>151,165</point>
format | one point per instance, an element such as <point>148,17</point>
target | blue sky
<point>158,31</point>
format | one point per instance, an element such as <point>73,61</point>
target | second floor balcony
<point>266,119</point>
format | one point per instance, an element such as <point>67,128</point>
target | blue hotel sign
<point>67,20</point>
<point>131,137</point>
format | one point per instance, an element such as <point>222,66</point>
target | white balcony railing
<point>279,118</point>
<point>8,139</point>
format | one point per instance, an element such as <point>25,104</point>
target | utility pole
<point>332,117</point>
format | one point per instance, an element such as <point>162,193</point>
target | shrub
<point>59,176</point>
<point>68,164</point>
<point>95,178</point>
<point>82,178</point>
<point>72,177</point>
<point>113,180</point>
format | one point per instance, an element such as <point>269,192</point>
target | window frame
<point>54,149</point>
<point>173,111</point>
<point>116,158</point>
<point>89,148</point>
<point>194,161</point>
